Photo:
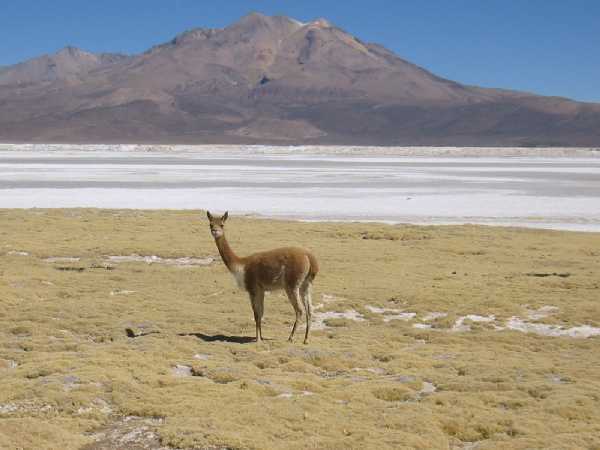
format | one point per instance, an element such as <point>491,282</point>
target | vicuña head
<point>217,224</point>
<point>292,269</point>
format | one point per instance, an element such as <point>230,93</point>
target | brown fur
<point>292,269</point>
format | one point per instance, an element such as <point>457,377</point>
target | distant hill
<point>272,80</point>
<point>69,64</point>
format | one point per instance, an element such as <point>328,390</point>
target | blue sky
<point>550,47</point>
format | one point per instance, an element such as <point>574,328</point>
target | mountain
<point>272,80</point>
<point>70,63</point>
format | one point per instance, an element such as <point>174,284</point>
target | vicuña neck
<point>231,260</point>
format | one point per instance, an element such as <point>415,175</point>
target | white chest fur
<point>239,276</point>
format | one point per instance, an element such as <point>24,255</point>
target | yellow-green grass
<point>355,385</point>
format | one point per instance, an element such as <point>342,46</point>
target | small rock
<point>405,379</point>
<point>84,410</point>
<point>142,329</point>
<point>434,315</point>
<point>375,370</point>
<point>70,269</point>
<point>7,364</point>
<point>182,371</point>
<point>70,382</point>
<point>120,292</point>
<point>103,406</point>
<point>8,408</point>
<point>63,259</point>
<point>554,378</point>
<point>428,388</point>
<point>460,326</point>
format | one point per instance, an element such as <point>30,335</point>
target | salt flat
<point>550,188</point>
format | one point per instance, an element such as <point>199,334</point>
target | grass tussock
<point>93,348</point>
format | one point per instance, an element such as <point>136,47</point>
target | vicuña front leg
<point>257,300</point>
<point>294,296</point>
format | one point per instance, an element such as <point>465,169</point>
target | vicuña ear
<point>225,216</point>
<point>209,215</point>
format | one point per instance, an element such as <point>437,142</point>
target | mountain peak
<point>195,34</point>
<point>254,15</point>
<point>256,19</point>
<point>253,19</point>
<point>72,51</point>
<point>320,23</point>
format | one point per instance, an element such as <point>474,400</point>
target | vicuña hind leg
<point>294,296</point>
<point>306,293</point>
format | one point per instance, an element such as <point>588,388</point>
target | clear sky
<point>550,47</point>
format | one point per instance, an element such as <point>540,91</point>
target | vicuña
<point>290,268</point>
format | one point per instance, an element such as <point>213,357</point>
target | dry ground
<point>100,354</point>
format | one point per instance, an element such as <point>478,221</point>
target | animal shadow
<point>221,338</point>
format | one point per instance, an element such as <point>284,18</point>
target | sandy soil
<point>122,329</point>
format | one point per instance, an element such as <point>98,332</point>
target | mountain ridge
<point>272,79</point>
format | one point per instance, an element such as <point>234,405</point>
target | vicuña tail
<point>314,267</point>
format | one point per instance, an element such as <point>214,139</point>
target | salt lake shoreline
<point>316,150</point>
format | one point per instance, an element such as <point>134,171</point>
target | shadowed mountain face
<point>272,80</point>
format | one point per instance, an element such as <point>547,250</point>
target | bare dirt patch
<point>131,433</point>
